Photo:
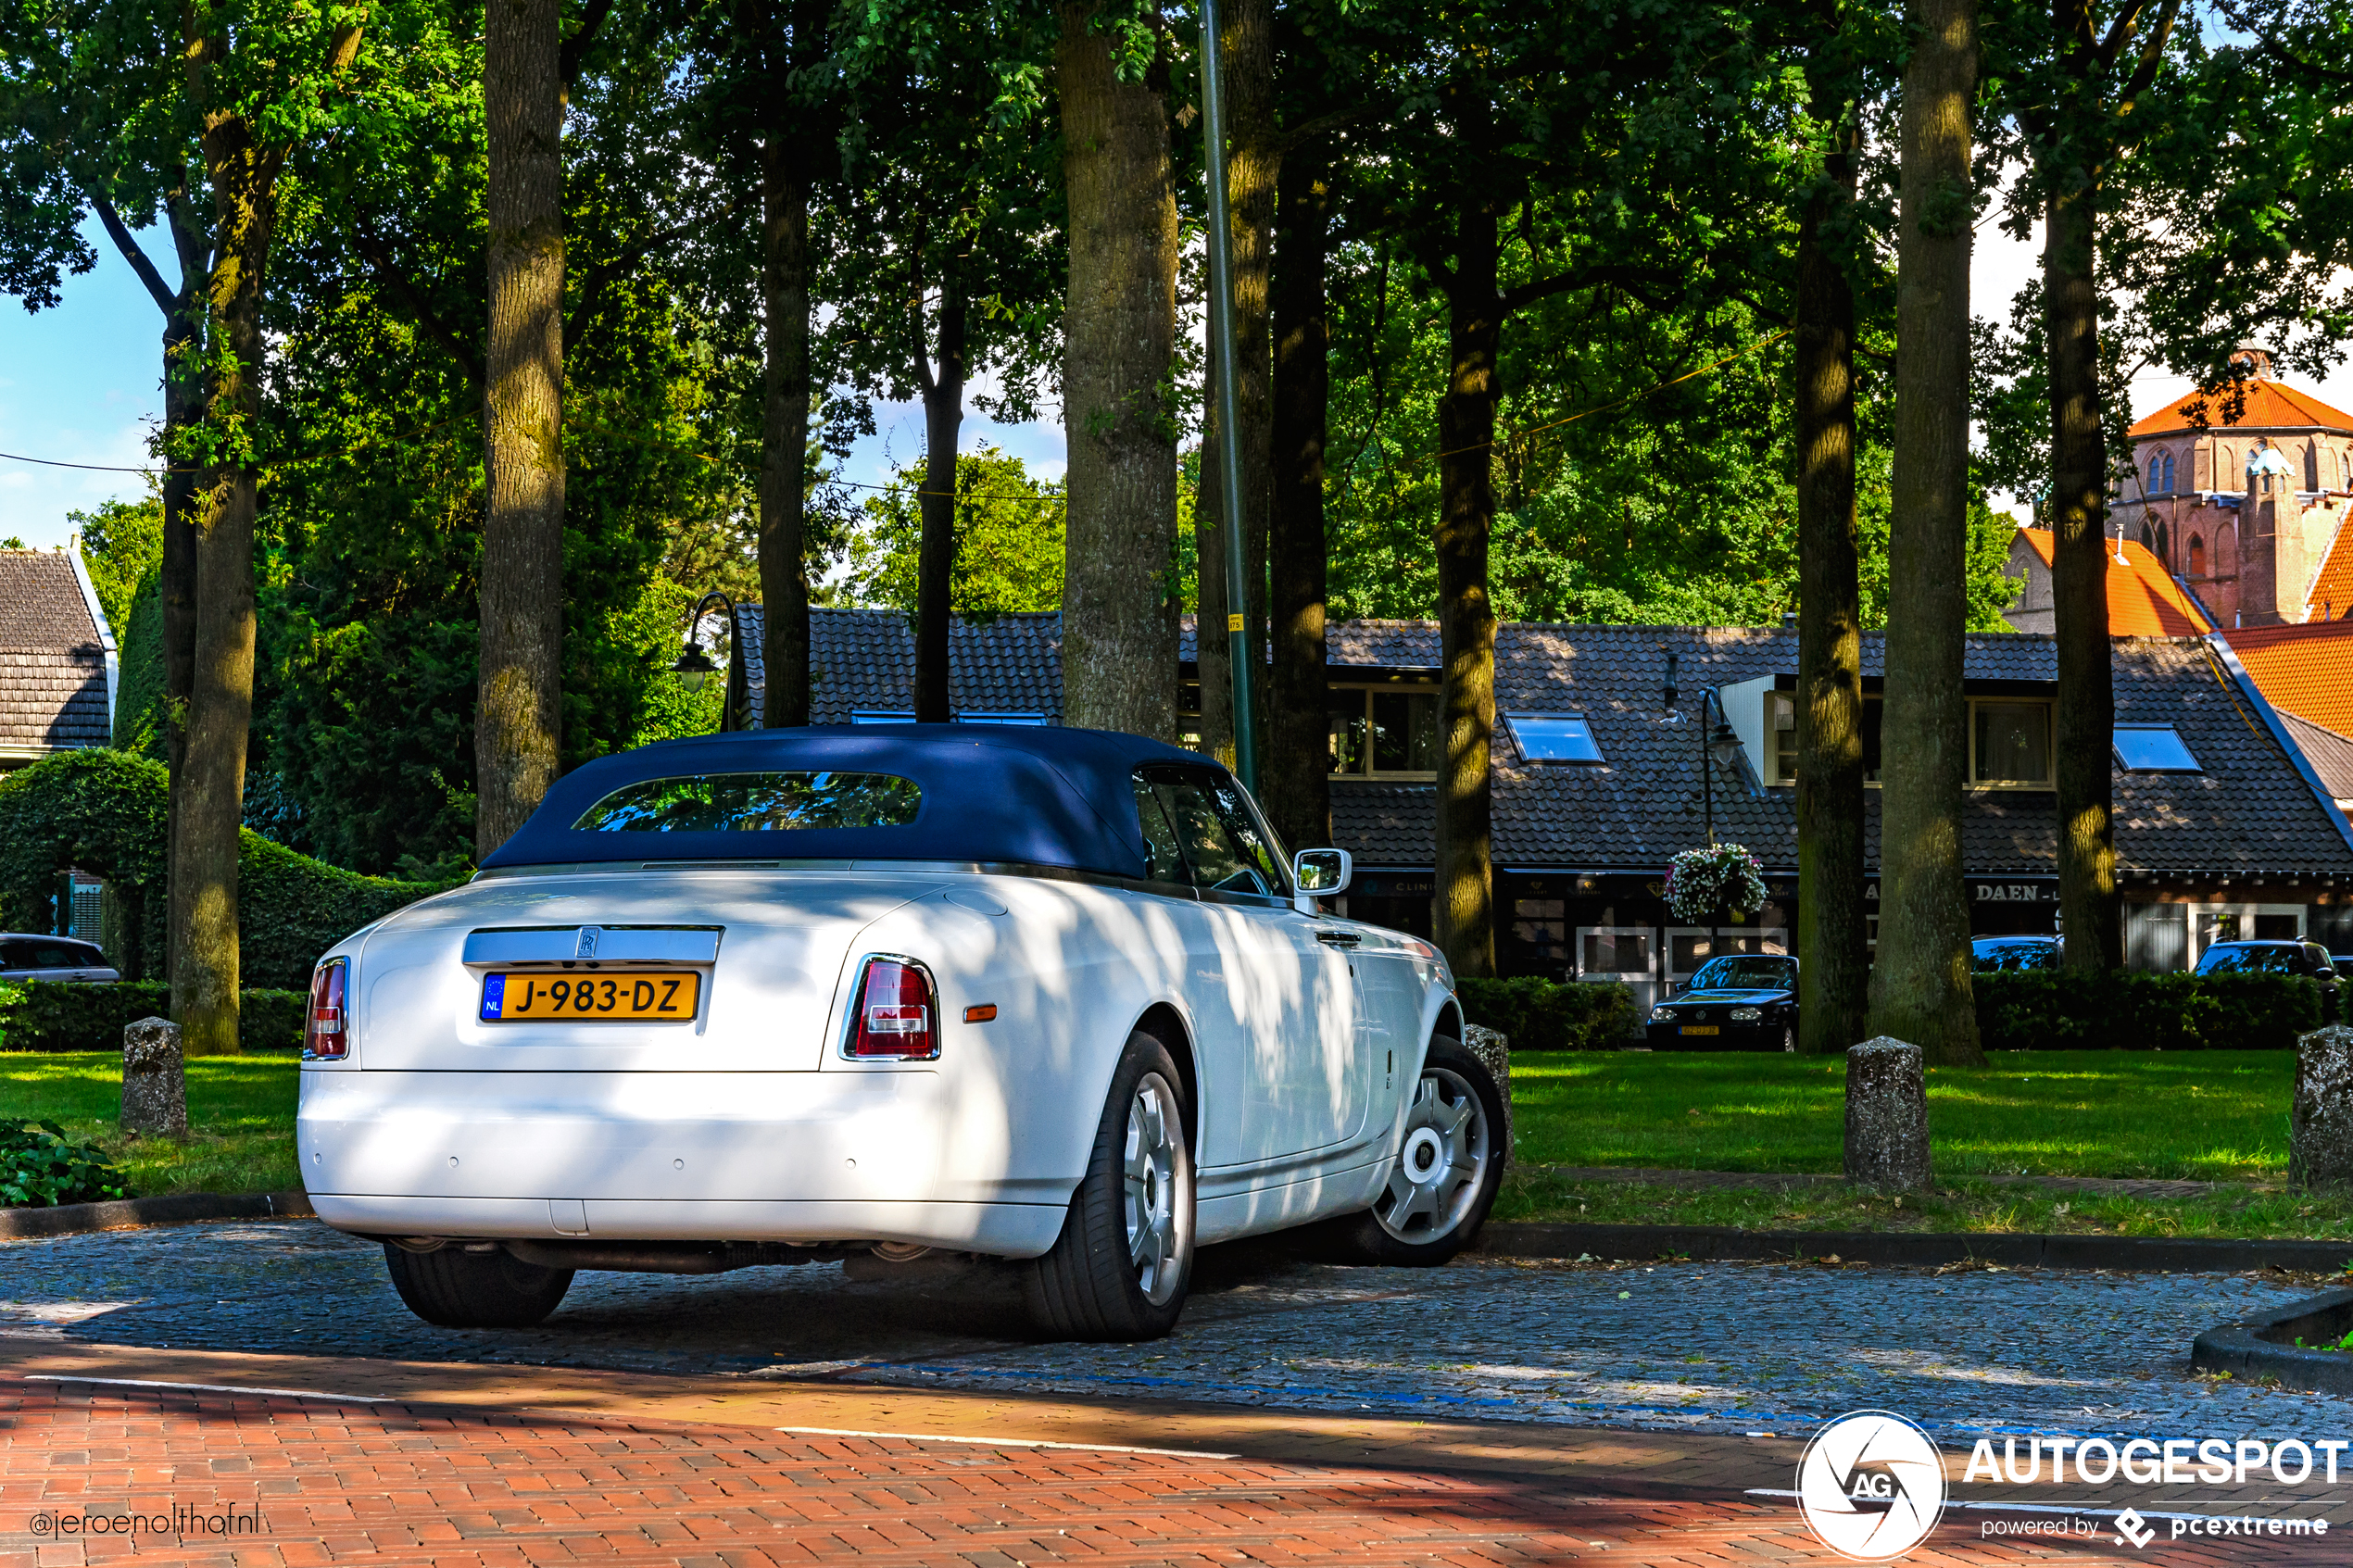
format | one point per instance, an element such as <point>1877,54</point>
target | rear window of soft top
<point>756,802</point>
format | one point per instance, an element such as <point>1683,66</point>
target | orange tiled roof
<point>2143,599</point>
<point>2306,669</point>
<point>2333,589</point>
<point>2270,404</point>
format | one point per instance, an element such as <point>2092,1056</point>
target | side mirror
<point>1323,874</point>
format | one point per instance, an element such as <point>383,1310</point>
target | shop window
<point>2153,749</point>
<point>1384,732</point>
<point>2011,743</point>
<point>1540,927</point>
<point>1554,737</point>
<point>1616,952</point>
<point>1690,946</point>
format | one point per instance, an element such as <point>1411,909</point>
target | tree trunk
<point>1252,161</point>
<point>518,725</point>
<point>2090,916</point>
<point>1297,758</point>
<point>785,185</point>
<point>1119,627</point>
<point>1833,961</point>
<point>1465,898</point>
<point>183,400</point>
<point>1212,654</point>
<point>1921,985</point>
<point>935,557</point>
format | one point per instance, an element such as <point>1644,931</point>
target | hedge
<point>104,811</point>
<point>2133,1010</point>
<point>44,1015</point>
<point>1544,1015</point>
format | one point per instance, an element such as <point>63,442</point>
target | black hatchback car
<point>1740,1002</point>
<point>2307,958</point>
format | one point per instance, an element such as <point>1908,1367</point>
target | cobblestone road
<point>1717,1348</point>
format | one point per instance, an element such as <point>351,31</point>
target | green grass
<point>241,1112</point>
<point>2203,1115</point>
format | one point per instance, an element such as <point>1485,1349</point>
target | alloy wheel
<point>1156,1222</point>
<point>1443,1164</point>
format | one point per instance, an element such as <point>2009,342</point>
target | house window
<point>1554,737</point>
<point>2011,743</point>
<point>1780,715</point>
<point>1384,732</point>
<point>2153,749</point>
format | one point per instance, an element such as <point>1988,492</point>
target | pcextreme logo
<point>1870,1486</point>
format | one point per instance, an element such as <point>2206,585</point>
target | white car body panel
<point>749,1123</point>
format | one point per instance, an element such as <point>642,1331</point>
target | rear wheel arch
<point>1161,1022</point>
<point>1449,1022</point>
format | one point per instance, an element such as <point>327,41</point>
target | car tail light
<point>897,1017</point>
<point>324,1035</point>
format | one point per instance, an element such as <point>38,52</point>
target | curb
<point>1726,1244</point>
<point>173,1208</point>
<point>2262,1345</point>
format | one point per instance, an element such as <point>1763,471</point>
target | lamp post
<point>1242,657</point>
<point>693,666</point>
<point>1720,745</point>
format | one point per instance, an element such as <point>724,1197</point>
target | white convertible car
<point>1045,995</point>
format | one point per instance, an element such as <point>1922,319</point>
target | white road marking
<point>213,1389</point>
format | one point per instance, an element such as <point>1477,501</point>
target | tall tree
<point>1296,765</point>
<point>1119,628</point>
<point>1920,984</point>
<point>518,715</point>
<point>1834,964</point>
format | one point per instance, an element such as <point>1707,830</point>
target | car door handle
<point>1339,938</point>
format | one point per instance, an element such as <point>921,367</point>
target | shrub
<point>1544,1015</point>
<point>39,1166</point>
<point>2132,1009</point>
<point>42,1015</point>
<point>103,812</point>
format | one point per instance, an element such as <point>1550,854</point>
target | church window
<point>2198,554</point>
<point>2168,489</point>
<point>2312,467</point>
<point>2156,471</point>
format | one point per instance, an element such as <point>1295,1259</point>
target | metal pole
<point>1238,652</point>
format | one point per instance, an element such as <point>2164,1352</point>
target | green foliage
<point>241,1112</point>
<point>41,1015</point>
<point>140,717</point>
<point>122,550</point>
<point>1544,1015</point>
<point>39,1167</point>
<point>1009,542</point>
<point>2131,1009</point>
<point>104,811</point>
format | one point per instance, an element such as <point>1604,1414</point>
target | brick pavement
<point>327,1482</point>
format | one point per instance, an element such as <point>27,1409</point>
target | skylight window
<point>2154,748</point>
<point>1554,737</point>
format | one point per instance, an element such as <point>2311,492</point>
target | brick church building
<point>2250,514</point>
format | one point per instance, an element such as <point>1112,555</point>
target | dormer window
<point>1387,731</point>
<point>2011,743</point>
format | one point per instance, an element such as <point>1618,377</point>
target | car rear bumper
<point>903,1155</point>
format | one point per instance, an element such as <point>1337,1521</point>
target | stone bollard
<point>1494,1051</point>
<point>2320,1122</point>
<point>154,1081</point>
<point>1887,1117</point>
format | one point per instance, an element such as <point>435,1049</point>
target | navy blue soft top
<point>1040,796</point>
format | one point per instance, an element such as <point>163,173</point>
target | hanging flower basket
<point>1722,877</point>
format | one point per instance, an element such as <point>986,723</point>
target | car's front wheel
<point>456,1288</point>
<point>1448,1166</point>
<point>1125,1258</point>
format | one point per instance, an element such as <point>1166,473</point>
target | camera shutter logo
<point>1871,1486</point>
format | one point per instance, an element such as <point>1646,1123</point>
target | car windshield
<point>1746,974</point>
<point>2231,960</point>
<point>765,802</point>
<point>1995,958</point>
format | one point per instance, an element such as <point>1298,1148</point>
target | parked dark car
<point>24,957</point>
<point>1740,1002</point>
<point>2307,958</point>
<point>2008,955</point>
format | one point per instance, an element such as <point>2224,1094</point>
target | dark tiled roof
<point>2330,753</point>
<point>1377,644</point>
<point>53,667</point>
<point>2247,812</point>
<point>865,660</point>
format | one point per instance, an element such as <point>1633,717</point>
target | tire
<point>459,1289</point>
<point>1123,1261</point>
<point>1788,1037</point>
<point>1447,1169</point>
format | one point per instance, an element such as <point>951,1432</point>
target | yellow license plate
<point>1699,1028</point>
<point>605,996</point>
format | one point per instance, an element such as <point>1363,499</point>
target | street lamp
<point>1720,745</point>
<point>693,666</point>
